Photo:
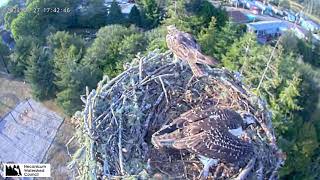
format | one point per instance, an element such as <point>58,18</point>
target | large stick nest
<point>121,115</point>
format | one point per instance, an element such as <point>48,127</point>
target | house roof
<point>238,16</point>
<point>263,25</point>
<point>312,23</point>
<point>27,132</point>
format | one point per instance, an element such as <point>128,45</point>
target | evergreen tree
<point>104,54</point>
<point>18,60</point>
<point>292,96</point>
<point>115,15</point>
<point>177,15</point>
<point>71,75</point>
<point>135,16</point>
<point>9,17</point>
<point>131,45</point>
<point>4,57</point>
<point>151,13</point>
<point>40,74</point>
<point>157,39</point>
<point>216,42</point>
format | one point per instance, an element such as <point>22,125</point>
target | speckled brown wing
<point>216,143</point>
<point>205,132</point>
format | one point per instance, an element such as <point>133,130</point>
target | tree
<point>74,78</point>
<point>151,13</point>
<point>115,15</point>
<point>104,53</point>
<point>177,15</point>
<point>205,10</point>
<point>216,42</point>
<point>40,74</point>
<point>157,39</point>
<point>24,25</point>
<point>193,16</point>
<point>71,74</point>
<point>36,19</point>
<point>131,45</point>
<point>289,87</point>
<point>135,16</point>
<point>9,17</point>
<point>18,60</point>
<point>92,14</point>
<point>4,56</point>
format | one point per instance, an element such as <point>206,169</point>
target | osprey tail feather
<point>203,59</point>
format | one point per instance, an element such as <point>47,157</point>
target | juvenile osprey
<point>211,133</point>
<point>185,47</point>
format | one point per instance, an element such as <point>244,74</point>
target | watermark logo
<point>27,170</point>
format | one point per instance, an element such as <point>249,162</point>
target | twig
<point>184,166</point>
<point>119,142</point>
<point>268,63</point>
<point>164,90</point>
<point>245,172</point>
<point>67,145</point>
<point>140,68</point>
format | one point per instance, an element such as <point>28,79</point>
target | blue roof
<point>313,23</point>
<point>263,25</point>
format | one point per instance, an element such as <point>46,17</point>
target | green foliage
<point>35,20</point>
<point>135,16</point>
<point>115,15</point>
<point>4,56</point>
<point>9,17</point>
<point>104,53</point>
<point>151,13</point>
<point>216,42</point>
<point>309,51</point>
<point>290,89</point>
<point>195,15</point>
<point>63,39</point>
<point>40,74</point>
<point>91,15</point>
<point>157,39</point>
<point>131,45</point>
<point>24,25</point>
<point>73,78</point>
<point>205,10</point>
<point>71,75</point>
<point>18,60</point>
<point>177,15</point>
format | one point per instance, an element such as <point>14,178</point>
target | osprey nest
<point>116,126</point>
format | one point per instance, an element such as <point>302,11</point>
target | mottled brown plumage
<point>185,47</point>
<point>207,133</point>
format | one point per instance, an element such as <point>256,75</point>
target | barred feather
<point>206,133</point>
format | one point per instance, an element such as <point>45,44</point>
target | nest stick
<point>164,90</point>
<point>140,68</point>
<point>119,142</point>
<point>245,172</point>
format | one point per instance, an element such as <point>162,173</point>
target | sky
<point>3,2</point>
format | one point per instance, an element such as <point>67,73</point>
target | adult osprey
<point>211,133</point>
<point>185,47</point>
